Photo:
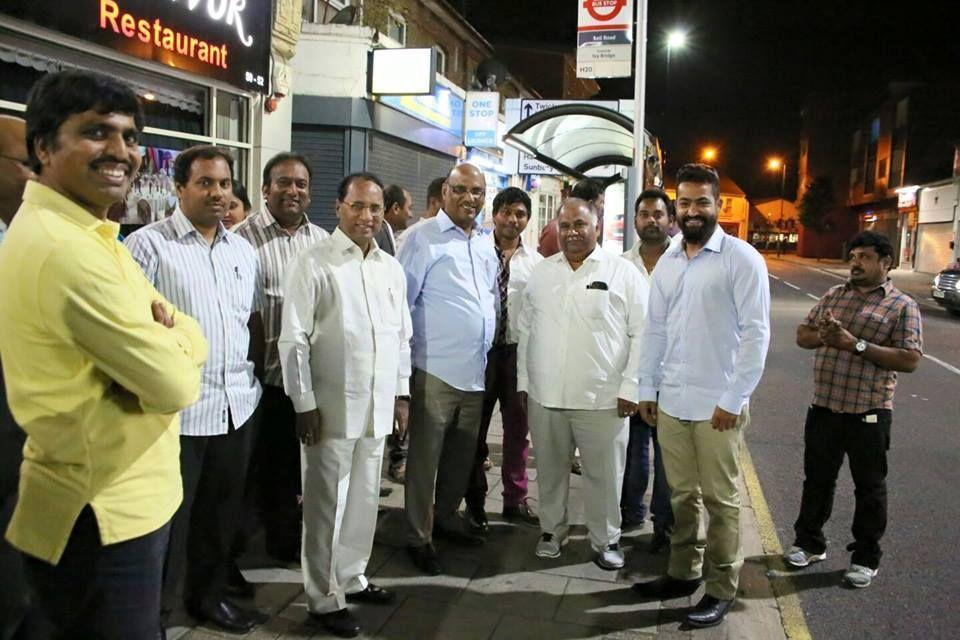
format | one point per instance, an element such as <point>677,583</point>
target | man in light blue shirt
<point>708,329</point>
<point>452,291</point>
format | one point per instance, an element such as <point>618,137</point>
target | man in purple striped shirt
<point>211,274</point>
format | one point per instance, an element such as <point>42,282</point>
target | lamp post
<point>779,164</point>
<point>676,39</point>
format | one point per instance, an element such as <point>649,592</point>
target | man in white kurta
<point>578,357</point>
<point>345,354</point>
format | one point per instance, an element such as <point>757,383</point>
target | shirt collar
<point>269,220</point>
<point>886,285</point>
<point>183,227</point>
<point>344,244</point>
<point>597,255</point>
<point>445,223</point>
<point>43,196</point>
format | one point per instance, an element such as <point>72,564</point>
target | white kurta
<point>344,350</point>
<point>345,342</point>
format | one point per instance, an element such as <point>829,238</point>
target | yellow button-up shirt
<point>94,381</point>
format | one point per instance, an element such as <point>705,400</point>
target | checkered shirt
<point>885,316</point>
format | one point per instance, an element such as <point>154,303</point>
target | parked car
<point>946,288</point>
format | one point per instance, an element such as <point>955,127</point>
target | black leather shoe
<point>477,519</point>
<point>426,559</point>
<point>709,612</point>
<point>666,588</point>
<point>237,585</point>
<point>660,541</point>
<point>226,616</point>
<point>385,491</point>
<point>340,623</point>
<point>521,514</point>
<point>372,595</point>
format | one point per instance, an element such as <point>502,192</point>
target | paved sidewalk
<point>501,591</point>
<point>914,283</point>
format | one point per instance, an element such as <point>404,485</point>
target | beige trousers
<point>703,466</point>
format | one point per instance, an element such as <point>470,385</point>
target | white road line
<point>791,285</point>
<point>773,276</point>
<point>946,365</point>
<point>810,295</point>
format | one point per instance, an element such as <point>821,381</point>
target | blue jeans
<point>637,475</point>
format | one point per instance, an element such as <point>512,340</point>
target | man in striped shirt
<point>278,233</point>
<point>212,275</point>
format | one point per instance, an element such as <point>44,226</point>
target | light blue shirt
<point>452,293</point>
<point>218,286</point>
<point>707,330</point>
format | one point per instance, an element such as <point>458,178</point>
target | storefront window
<point>232,117</point>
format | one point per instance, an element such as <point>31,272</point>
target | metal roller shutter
<point>933,246</point>
<point>323,147</point>
<point>408,165</point>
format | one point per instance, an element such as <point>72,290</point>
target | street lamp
<point>775,164</point>
<point>676,39</point>
<point>708,154</point>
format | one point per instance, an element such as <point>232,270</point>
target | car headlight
<point>936,281</point>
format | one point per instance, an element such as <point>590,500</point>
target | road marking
<point>784,590</point>
<point>810,295</point>
<point>946,365</point>
<point>791,285</point>
<point>773,276</point>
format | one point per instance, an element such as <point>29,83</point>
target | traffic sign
<point>604,37</point>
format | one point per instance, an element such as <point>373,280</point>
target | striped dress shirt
<point>218,286</point>
<point>276,248</point>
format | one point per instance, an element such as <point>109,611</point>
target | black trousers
<point>864,438</point>
<point>18,621</point>
<point>102,592</point>
<point>276,462</point>
<point>202,533</point>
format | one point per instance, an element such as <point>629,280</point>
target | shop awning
<point>575,138</point>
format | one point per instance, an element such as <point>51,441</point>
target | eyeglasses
<point>20,161</point>
<point>360,207</point>
<point>460,190</point>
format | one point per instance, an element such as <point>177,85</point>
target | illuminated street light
<point>779,164</point>
<point>676,39</point>
<point>709,154</point>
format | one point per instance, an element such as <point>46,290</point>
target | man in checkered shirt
<point>865,331</point>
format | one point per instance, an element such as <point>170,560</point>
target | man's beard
<point>701,235</point>
<point>653,234</point>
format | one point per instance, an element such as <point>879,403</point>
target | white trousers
<point>341,493</point>
<point>601,437</point>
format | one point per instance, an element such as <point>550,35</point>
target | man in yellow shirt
<point>97,365</point>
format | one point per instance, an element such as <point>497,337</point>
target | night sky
<point>741,82</point>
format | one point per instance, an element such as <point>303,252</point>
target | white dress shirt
<point>580,342</point>
<point>345,342</point>
<point>633,255</point>
<point>708,328</point>
<point>521,263</point>
<point>218,286</point>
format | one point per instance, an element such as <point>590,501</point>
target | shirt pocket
<point>876,327</point>
<point>593,303</point>
<point>390,310</point>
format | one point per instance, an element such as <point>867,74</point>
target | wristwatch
<point>407,398</point>
<point>860,347</point>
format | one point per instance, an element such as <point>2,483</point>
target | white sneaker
<point>549,546</point>
<point>799,558</point>
<point>609,557</point>
<point>859,576</point>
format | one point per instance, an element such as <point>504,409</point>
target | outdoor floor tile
<point>422,619</point>
<point>399,574</point>
<point>614,607</point>
<point>531,595</point>
<point>515,627</point>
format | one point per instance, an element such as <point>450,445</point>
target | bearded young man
<point>708,330</point>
